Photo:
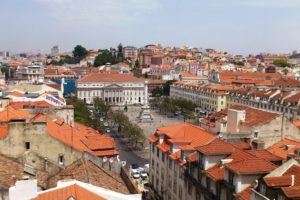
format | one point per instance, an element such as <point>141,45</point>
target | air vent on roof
<point>29,169</point>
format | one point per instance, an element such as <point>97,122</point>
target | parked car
<point>143,174</point>
<point>135,173</point>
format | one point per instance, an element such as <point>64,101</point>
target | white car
<point>135,173</point>
<point>144,175</point>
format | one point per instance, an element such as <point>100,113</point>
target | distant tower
<point>55,50</point>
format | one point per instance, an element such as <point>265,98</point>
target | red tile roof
<point>216,173</point>
<point>245,194</point>
<point>280,181</point>
<point>13,114</point>
<point>251,166</point>
<point>284,148</point>
<point>255,117</point>
<point>296,122</point>
<point>65,193</point>
<point>242,145</point>
<point>186,136</point>
<point>86,171</point>
<point>36,104</point>
<point>110,78</point>
<point>264,154</point>
<point>216,147</point>
<point>292,192</point>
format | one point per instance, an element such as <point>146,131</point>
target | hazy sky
<point>237,26</point>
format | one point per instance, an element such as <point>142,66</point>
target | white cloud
<point>107,10</point>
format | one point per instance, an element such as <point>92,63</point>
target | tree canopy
<point>281,63</point>
<point>80,52</point>
<point>106,57</point>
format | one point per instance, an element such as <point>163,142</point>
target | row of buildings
<point>189,162</point>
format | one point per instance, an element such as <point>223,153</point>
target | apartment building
<point>169,147</point>
<point>208,97</point>
<point>130,52</point>
<point>45,141</point>
<point>32,72</point>
<point>273,100</point>
<point>283,183</point>
<point>187,162</point>
<point>117,89</point>
<point>259,128</point>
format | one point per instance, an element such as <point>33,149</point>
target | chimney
<point>234,118</point>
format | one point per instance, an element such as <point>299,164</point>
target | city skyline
<point>239,27</point>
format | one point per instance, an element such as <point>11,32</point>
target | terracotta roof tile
<point>85,171</point>
<point>117,78</point>
<point>264,154</point>
<point>251,166</point>
<point>296,122</point>
<point>216,172</point>
<point>65,193</point>
<point>292,192</point>
<point>12,114</point>
<point>216,147</point>
<point>242,145</point>
<point>284,148</point>
<point>280,181</point>
<point>11,171</point>
<point>245,194</point>
<point>26,104</point>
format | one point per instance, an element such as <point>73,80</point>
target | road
<point>127,154</point>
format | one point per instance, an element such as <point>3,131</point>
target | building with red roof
<point>35,136</point>
<point>117,89</point>
<point>258,127</point>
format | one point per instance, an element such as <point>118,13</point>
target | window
<point>27,145</point>
<point>170,163</point>
<point>61,160</point>
<point>152,148</point>
<point>157,153</point>
<point>280,197</point>
<point>180,192</point>
<point>208,183</point>
<point>230,177</point>
<point>197,195</point>
<point>256,134</point>
<point>262,189</point>
<point>163,157</point>
<point>189,188</point>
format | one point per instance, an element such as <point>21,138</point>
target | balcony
<point>198,184</point>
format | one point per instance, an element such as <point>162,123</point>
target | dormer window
<point>230,177</point>
<point>256,134</point>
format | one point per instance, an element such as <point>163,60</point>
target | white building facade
<point>117,89</point>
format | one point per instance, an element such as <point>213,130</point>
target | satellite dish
<point>111,160</point>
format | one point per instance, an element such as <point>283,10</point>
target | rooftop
<point>110,78</point>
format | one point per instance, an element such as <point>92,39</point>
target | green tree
<point>80,52</point>
<point>166,87</point>
<point>120,50</point>
<point>106,57</point>
<point>101,107</point>
<point>157,92</point>
<point>281,63</point>
<point>81,111</point>
<point>5,70</point>
<point>136,63</point>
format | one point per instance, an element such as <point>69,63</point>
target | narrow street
<point>127,154</point>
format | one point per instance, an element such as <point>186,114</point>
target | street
<point>127,154</point>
